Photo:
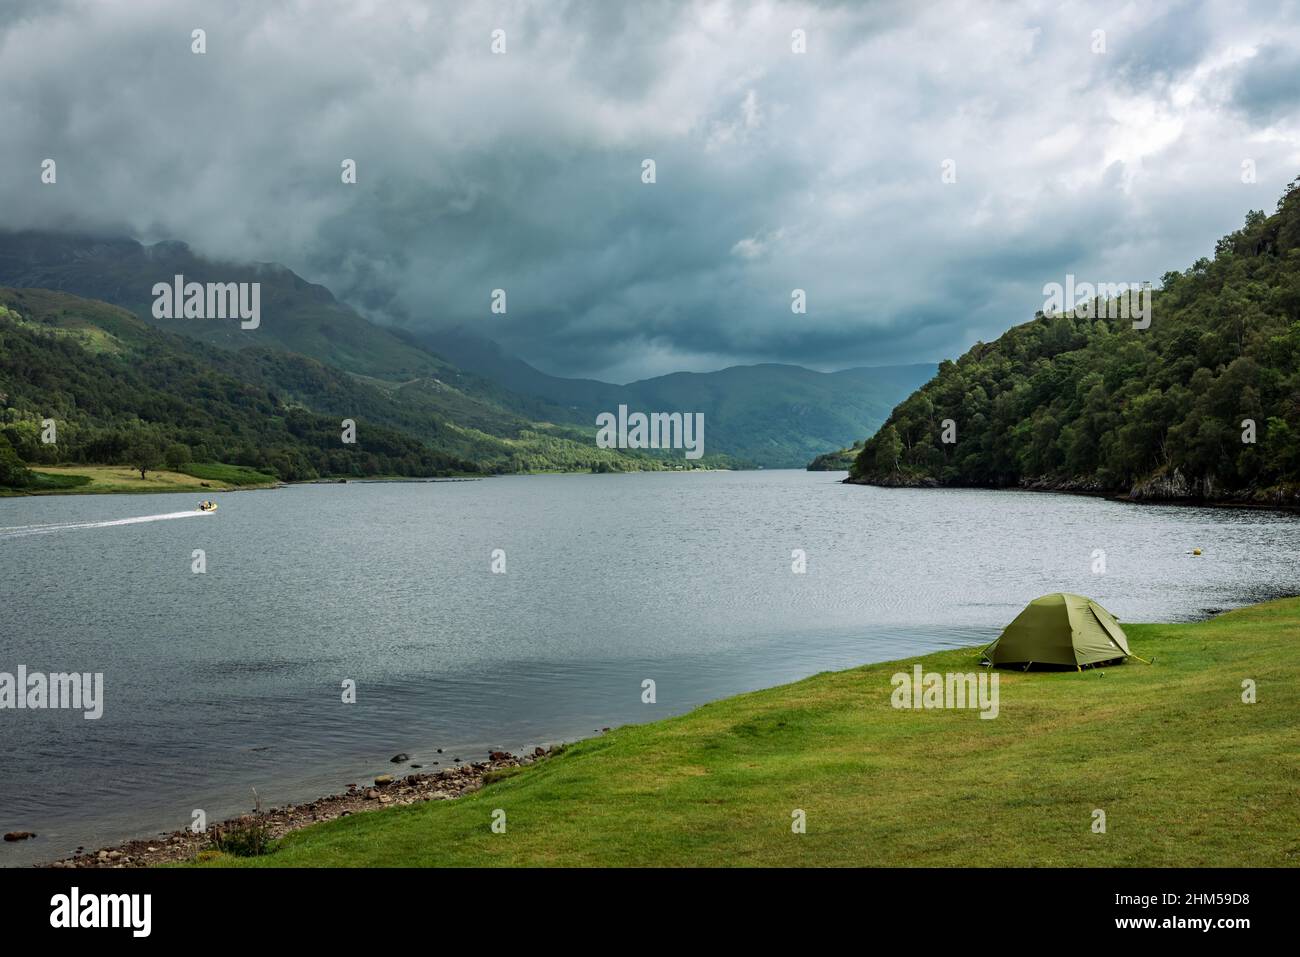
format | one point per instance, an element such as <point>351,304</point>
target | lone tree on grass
<point>145,454</point>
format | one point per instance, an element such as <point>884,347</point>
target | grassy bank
<point>1186,773</point>
<point>101,479</point>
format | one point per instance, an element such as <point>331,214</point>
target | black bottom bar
<point>379,907</point>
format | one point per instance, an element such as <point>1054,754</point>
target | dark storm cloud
<point>1268,88</point>
<point>776,171</point>
<point>1174,41</point>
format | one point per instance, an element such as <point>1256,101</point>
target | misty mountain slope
<point>1205,403</point>
<point>778,416</point>
<point>298,318</point>
<point>296,315</point>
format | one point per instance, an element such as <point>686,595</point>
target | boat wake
<point>22,531</point>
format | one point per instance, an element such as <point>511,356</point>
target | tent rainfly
<point>1060,629</point>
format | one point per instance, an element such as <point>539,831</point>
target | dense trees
<point>178,456</point>
<point>13,474</point>
<point>1206,401</point>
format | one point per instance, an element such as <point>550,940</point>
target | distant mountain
<point>317,354</point>
<point>777,416</point>
<point>457,392</point>
<point>1204,403</point>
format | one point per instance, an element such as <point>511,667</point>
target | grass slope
<point>1187,774</point>
<point>50,483</point>
<point>231,476</point>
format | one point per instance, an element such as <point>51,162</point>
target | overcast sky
<point>775,170</point>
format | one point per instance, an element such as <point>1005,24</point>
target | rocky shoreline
<point>386,791</point>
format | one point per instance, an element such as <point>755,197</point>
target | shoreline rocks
<point>184,845</point>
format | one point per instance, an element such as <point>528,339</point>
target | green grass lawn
<point>231,475</point>
<point>47,483</point>
<point>99,479</point>
<point>1186,773</point>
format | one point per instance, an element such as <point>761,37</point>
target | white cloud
<point>753,247</point>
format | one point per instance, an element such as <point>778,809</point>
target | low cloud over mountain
<point>775,170</point>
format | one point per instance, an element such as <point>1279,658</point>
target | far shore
<point>1112,495</point>
<point>124,480</point>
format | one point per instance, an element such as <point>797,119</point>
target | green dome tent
<point>1060,629</point>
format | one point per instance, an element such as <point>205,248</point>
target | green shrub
<point>250,839</point>
<point>177,456</point>
<point>13,472</point>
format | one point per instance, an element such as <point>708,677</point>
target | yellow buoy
<point>1196,551</point>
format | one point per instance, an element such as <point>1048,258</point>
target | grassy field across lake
<point>1187,773</point>
<point>92,479</point>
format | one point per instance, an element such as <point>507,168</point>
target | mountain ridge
<point>778,415</point>
<point>766,414</point>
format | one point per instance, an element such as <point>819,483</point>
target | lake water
<point>222,682</point>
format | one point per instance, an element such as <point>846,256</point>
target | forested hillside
<point>116,387</point>
<point>1205,403</point>
<point>839,461</point>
